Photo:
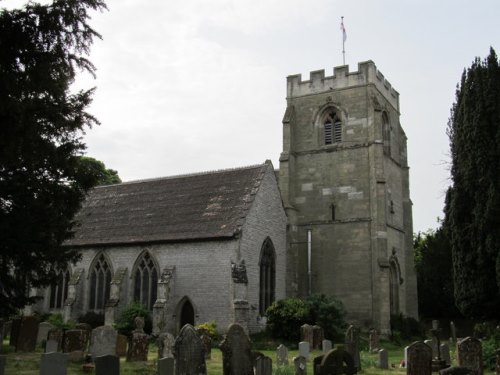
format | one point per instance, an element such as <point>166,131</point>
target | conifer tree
<point>473,200</point>
<point>42,47</point>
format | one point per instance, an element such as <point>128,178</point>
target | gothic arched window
<point>100,283</point>
<point>332,129</point>
<point>145,281</point>
<point>267,276</point>
<point>386,130</point>
<point>394,288</point>
<point>59,290</point>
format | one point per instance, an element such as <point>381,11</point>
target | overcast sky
<point>195,85</point>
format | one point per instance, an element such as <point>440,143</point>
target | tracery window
<point>267,276</point>
<point>59,290</point>
<point>100,283</point>
<point>146,280</point>
<point>332,129</point>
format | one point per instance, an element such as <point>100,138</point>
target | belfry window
<point>267,276</point>
<point>59,290</point>
<point>332,129</point>
<point>100,283</point>
<point>146,280</point>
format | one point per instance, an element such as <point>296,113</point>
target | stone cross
<point>470,354</point>
<point>189,353</point>
<point>263,366</point>
<point>300,365</point>
<point>107,365</point>
<point>166,366</point>
<point>236,350</point>
<point>304,349</point>
<point>54,364</point>
<point>307,334</point>
<point>418,359</point>
<point>336,361</point>
<point>326,346</point>
<point>103,341</point>
<point>352,345</point>
<point>43,330</point>
<point>282,355</point>
<point>383,359</point>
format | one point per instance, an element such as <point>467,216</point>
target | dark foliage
<point>125,323</point>
<point>328,313</point>
<point>42,122</point>
<point>97,171</point>
<point>94,319</point>
<point>473,201</point>
<point>406,328</point>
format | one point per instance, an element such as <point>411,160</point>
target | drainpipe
<point>309,273</point>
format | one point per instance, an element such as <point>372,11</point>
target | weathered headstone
<point>282,355</point>
<point>166,345</point>
<point>316,363</point>
<point>318,337</point>
<point>304,349</point>
<point>444,350</point>
<point>76,356</point>
<point>166,366</point>
<point>107,365</point>
<point>74,339</point>
<point>189,353</point>
<point>51,346</point>
<point>352,345</point>
<point>43,330</point>
<point>419,359</point>
<point>336,362</point>
<point>456,371</point>
<point>469,354</point>
<point>300,365</point>
<point>3,361</point>
<point>263,366</point>
<point>14,330</point>
<point>56,334</point>
<point>26,340</point>
<point>236,352</point>
<point>383,359</point>
<point>307,334</point>
<point>374,341</point>
<point>453,331</point>
<point>326,346</point>
<point>103,341</point>
<point>433,344</point>
<point>138,347</point>
<point>54,364</point>
<point>121,345</point>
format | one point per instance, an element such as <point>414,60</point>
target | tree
<point>473,201</point>
<point>41,186</point>
<point>434,269</point>
<point>97,170</point>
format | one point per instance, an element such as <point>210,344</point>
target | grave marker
<point>383,359</point>
<point>282,355</point>
<point>263,366</point>
<point>51,346</point>
<point>166,366</point>
<point>352,345</point>
<point>166,345</point>
<point>374,341</point>
<point>444,350</point>
<point>54,364</point>
<point>336,361</point>
<point>103,342</point>
<point>236,350</point>
<point>74,339</point>
<point>138,347</point>
<point>326,346</point>
<point>318,337</point>
<point>304,349</point>
<point>307,334</point>
<point>43,330</point>
<point>26,340</point>
<point>300,365</point>
<point>419,359</point>
<point>107,365</point>
<point>189,353</point>
<point>470,354</point>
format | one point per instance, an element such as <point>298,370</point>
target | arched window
<point>332,129</point>
<point>267,276</point>
<point>394,288</point>
<point>100,283</point>
<point>59,290</point>
<point>145,281</point>
<point>386,130</point>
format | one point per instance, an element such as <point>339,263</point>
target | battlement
<point>367,73</point>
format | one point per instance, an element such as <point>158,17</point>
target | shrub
<point>125,323</point>
<point>405,327</point>
<point>57,321</point>
<point>284,317</point>
<point>211,329</point>
<point>327,312</point>
<point>95,320</point>
<point>490,346</point>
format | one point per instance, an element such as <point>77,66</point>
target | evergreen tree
<point>41,186</point>
<point>473,200</point>
<point>97,170</point>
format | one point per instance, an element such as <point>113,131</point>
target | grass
<point>29,363</point>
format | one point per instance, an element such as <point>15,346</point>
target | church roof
<point>191,207</point>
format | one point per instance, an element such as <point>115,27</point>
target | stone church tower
<point>344,183</point>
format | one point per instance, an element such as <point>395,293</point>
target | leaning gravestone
<point>318,337</point>
<point>282,355</point>
<point>263,366</point>
<point>300,365</point>
<point>419,359</point>
<point>26,340</point>
<point>166,345</point>
<point>43,330</point>
<point>304,349</point>
<point>236,350</point>
<point>326,346</point>
<point>383,359</point>
<point>103,341</point>
<point>469,354</point>
<point>337,362</point>
<point>307,334</point>
<point>107,365</point>
<point>166,366</point>
<point>54,364</point>
<point>14,330</point>
<point>352,345</point>
<point>138,347</point>
<point>51,346</point>
<point>74,339</point>
<point>444,351</point>
<point>189,353</point>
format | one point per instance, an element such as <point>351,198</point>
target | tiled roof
<point>191,207</point>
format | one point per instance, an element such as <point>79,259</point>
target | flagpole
<point>343,40</point>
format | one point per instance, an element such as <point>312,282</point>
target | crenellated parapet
<point>367,74</point>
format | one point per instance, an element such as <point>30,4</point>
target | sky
<point>198,85</point>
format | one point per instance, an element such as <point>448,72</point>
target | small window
<point>59,290</point>
<point>100,284</point>
<point>332,129</point>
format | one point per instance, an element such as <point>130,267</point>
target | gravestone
<point>107,365</point>
<point>318,337</point>
<point>304,349</point>
<point>316,363</point>
<point>103,341</point>
<point>307,334</point>
<point>300,365</point>
<point>456,371</point>
<point>352,345</point>
<point>419,359</point>
<point>51,346</point>
<point>189,353</point>
<point>166,366</point>
<point>3,361</point>
<point>453,331</point>
<point>43,330</point>
<point>74,339</point>
<point>54,364</point>
<point>138,347</point>
<point>76,356</point>
<point>28,332</point>
<point>207,342</point>
<point>433,344</point>
<point>282,355</point>
<point>14,330</point>
<point>56,334</point>
<point>374,341</point>
<point>263,366</point>
<point>383,359</point>
<point>121,345</point>
<point>236,352</point>
<point>336,362</point>
<point>326,346</point>
<point>444,350</point>
<point>469,354</point>
<point>166,345</point>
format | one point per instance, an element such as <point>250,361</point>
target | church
<point>336,219</point>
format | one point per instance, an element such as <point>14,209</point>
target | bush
<point>490,346</point>
<point>95,320</point>
<point>211,329</point>
<point>57,321</point>
<point>327,312</point>
<point>284,318</point>
<point>405,327</point>
<point>125,323</point>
